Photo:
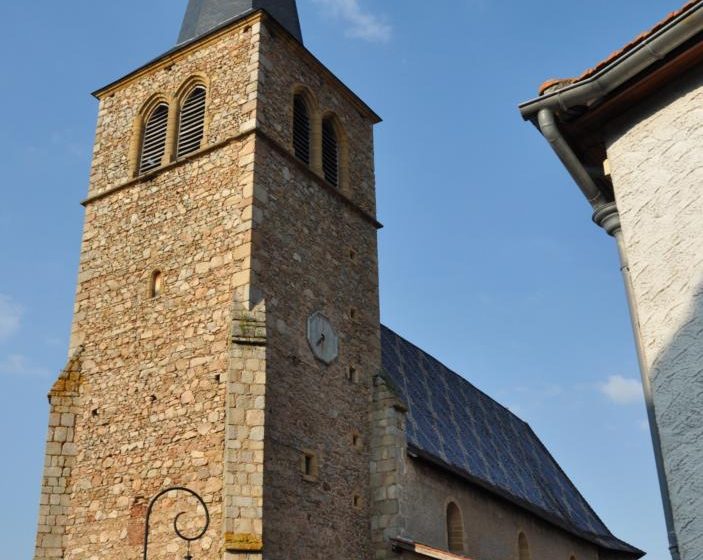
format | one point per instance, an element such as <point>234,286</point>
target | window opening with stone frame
<point>455,528</point>
<point>191,126</point>
<point>156,285</point>
<point>301,129</point>
<point>154,139</point>
<point>330,151</point>
<point>523,547</point>
<point>310,466</point>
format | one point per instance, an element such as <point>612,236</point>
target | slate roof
<point>453,424</point>
<point>202,16</point>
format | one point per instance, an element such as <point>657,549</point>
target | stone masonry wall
<point>491,525</point>
<point>388,468</point>
<point>156,372</point>
<point>228,62</point>
<point>657,169</point>
<point>410,500</point>
<point>286,66</point>
<point>314,251</point>
<point>54,511</point>
<point>305,267</point>
<point>212,384</point>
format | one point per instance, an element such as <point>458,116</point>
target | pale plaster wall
<point>657,169</point>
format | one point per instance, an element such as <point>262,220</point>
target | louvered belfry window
<point>330,152</point>
<point>154,142</point>
<point>301,129</point>
<point>192,123</point>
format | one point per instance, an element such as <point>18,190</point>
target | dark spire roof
<point>203,16</point>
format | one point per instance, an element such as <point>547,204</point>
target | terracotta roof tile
<point>624,50</point>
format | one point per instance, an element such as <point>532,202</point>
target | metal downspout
<point>608,218</point>
<point>606,215</point>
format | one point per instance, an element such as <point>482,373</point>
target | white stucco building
<point>630,132</point>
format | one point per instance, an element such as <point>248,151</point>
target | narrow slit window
<point>310,466</point>
<point>191,128</point>
<point>157,284</point>
<point>523,547</point>
<point>301,129</point>
<point>455,528</point>
<point>330,152</point>
<point>154,141</point>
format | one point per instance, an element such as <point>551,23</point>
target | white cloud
<point>622,390</point>
<point>362,24</point>
<point>10,315</point>
<point>16,364</point>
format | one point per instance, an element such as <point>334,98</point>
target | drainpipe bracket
<point>607,216</point>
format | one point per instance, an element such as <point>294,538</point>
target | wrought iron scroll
<point>178,532</point>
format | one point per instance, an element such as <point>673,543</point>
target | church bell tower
<point>226,321</point>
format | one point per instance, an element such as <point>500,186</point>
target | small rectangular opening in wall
<point>352,375</point>
<point>310,466</point>
<point>356,501</point>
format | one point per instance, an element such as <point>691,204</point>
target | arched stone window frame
<point>342,149</point>
<point>304,92</point>
<point>147,278</point>
<point>452,507</point>
<point>182,94</point>
<point>156,284</point>
<point>145,111</point>
<point>523,546</point>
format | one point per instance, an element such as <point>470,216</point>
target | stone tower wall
<point>212,384</point>
<point>155,371</point>
<point>657,169</point>
<point>315,250</point>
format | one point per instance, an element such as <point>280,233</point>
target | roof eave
<point>634,62</point>
<point>624,547</point>
<point>401,543</point>
<point>178,49</point>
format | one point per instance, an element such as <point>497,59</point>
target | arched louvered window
<point>192,122</point>
<point>301,129</point>
<point>154,139</point>
<point>455,529</point>
<point>330,151</point>
<point>523,547</point>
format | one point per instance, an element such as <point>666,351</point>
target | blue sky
<point>489,259</point>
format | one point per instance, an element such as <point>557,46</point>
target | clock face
<point>322,338</point>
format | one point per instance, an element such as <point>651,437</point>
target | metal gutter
<point>543,112</point>
<point>550,130</point>
<point>593,89</point>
